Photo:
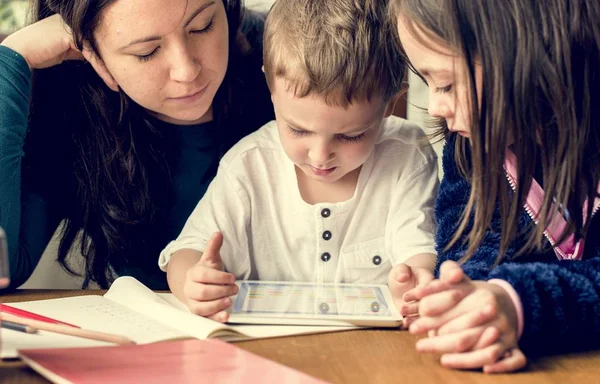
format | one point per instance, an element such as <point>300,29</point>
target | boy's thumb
<point>212,253</point>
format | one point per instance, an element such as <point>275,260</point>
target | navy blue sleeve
<point>25,216</point>
<point>561,302</point>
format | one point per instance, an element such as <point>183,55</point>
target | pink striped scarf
<point>569,249</point>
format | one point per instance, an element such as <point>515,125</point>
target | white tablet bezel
<point>282,318</point>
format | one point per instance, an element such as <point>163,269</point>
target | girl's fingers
<point>489,336</point>
<point>473,359</point>
<point>407,321</point>
<point>439,303</point>
<point>410,309</point>
<point>451,272</point>
<point>453,343</point>
<point>209,308</point>
<point>512,361</point>
<point>470,319</point>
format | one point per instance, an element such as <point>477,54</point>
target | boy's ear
<point>100,68</point>
<point>392,104</point>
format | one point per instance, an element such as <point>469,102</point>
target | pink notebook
<point>187,361</point>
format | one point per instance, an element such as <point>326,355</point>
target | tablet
<point>292,303</point>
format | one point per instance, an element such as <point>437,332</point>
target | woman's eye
<point>206,29</point>
<point>147,56</point>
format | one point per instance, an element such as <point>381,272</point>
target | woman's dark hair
<point>540,95</point>
<point>96,149</point>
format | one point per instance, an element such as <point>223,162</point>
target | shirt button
<point>325,257</point>
<point>325,212</point>
<point>376,260</point>
<point>326,235</point>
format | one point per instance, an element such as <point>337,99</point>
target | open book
<point>130,309</point>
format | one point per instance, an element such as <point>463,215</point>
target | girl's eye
<point>147,57</point>
<point>206,29</point>
<point>352,139</point>
<point>297,132</point>
<point>445,89</point>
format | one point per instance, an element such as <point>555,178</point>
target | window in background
<point>13,15</point>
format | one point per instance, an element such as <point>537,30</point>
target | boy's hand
<point>207,287</point>
<point>472,323</point>
<point>401,279</point>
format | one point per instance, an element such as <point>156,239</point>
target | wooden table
<point>369,356</point>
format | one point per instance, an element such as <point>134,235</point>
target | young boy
<point>334,190</point>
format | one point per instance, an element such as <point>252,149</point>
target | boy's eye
<point>352,139</point>
<point>297,132</point>
<point>445,89</point>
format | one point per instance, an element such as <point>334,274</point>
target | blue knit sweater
<point>561,302</point>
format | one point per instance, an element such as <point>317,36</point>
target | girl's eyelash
<point>144,58</point>
<point>352,139</point>
<point>445,89</point>
<point>147,57</point>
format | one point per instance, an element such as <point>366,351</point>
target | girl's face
<point>170,56</point>
<point>445,74</point>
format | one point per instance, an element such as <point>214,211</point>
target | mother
<point>120,147</point>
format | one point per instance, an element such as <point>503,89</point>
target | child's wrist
<point>516,300</point>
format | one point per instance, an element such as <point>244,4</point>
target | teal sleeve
<point>24,215</point>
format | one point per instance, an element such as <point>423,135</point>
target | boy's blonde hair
<point>342,50</point>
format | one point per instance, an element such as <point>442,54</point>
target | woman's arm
<point>25,216</point>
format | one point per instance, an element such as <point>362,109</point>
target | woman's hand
<point>44,44</point>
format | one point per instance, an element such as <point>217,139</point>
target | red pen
<point>30,315</point>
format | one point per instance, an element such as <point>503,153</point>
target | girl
<point>121,146</point>
<point>516,86</point>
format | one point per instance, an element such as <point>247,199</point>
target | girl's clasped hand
<point>472,324</point>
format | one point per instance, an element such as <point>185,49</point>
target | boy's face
<point>326,142</point>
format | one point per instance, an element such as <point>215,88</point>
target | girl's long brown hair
<point>540,96</point>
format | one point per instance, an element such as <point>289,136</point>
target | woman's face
<point>446,76</point>
<point>170,56</point>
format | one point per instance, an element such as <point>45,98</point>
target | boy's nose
<point>321,155</point>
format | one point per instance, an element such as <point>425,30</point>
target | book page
<point>99,314</point>
<point>130,293</point>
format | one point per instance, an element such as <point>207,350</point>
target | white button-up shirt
<point>271,233</point>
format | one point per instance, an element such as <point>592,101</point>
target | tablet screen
<point>262,298</point>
